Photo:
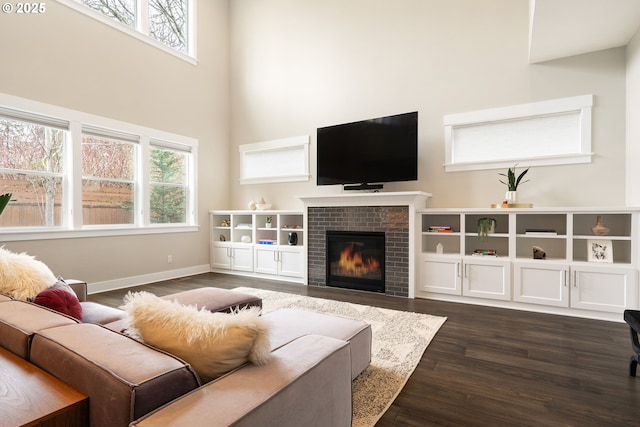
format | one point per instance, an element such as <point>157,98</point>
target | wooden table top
<point>29,395</point>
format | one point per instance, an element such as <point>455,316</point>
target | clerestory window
<point>169,22</point>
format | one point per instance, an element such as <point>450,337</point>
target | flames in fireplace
<point>353,264</point>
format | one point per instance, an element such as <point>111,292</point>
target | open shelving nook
<point>568,280</point>
<point>258,243</point>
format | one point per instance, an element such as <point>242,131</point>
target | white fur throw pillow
<point>22,276</point>
<point>212,343</point>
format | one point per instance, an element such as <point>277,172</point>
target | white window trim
<point>272,153</point>
<point>190,57</point>
<point>580,105</point>
<point>72,226</point>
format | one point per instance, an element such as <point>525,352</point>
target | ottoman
<point>288,324</point>
<point>215,299</point>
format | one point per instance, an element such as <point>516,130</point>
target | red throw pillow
<point>60,300</point>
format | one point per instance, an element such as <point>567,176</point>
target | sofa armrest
<point>79,287</point>
<point>307,382</point>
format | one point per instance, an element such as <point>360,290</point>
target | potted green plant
<point>4,200</point>
<point>512,183</point>
<point>486,226</point>
<point>268,221</point>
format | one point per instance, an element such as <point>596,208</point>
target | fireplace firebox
<point>356,260</point>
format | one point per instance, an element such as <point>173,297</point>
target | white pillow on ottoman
<point>22,276</point>
<point>212,343</point>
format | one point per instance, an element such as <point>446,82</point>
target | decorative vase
<point>511,197</point>
<point>252,205</point>
<point>600,229</point>
<point>293,239</point>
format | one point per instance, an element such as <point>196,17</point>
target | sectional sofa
<point>314,358</point>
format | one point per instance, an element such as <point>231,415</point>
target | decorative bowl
<point>263,206</point>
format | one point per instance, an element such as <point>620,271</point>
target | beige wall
<point>65,58</point>
<point>298,65</point>
<point>633,124</point>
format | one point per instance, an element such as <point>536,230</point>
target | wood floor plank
<point>487,366</point>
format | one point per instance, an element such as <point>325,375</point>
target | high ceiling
<point>560,28</point>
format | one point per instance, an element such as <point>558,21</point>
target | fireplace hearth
<point>356,260</point>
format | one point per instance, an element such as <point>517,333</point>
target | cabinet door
<point>541,282</point>
<point>604,288</point>
<point>220,256</point>
<point>242,258</point>
<point>291,261</point>
<point>441,274</point>
<point>486,278</point>
<point>266,259</point>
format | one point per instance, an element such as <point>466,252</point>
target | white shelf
<point>279,260</point>
<point>593,289</point>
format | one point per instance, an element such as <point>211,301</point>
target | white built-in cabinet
<point>244,242</point>
<point>567,281</point>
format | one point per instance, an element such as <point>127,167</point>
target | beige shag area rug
<point>399,340</point>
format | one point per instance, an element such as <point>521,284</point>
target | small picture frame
<point>600,250</point>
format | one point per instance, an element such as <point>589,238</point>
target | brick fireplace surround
<point>392,220</point>
<point>391,213</point>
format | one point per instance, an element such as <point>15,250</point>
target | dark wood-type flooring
<point>488,366</point>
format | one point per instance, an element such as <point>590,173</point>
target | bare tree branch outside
<point>167,18</point>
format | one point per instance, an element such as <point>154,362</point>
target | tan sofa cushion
<point>308,383</point>
<point>92,312</point>
<point>123,378</point>
<point>288,324</point>
<point>19,320</point>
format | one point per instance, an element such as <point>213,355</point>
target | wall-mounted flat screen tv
<point>368,152</point>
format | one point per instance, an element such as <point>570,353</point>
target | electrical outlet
<point>169,258</point>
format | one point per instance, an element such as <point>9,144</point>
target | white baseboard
<point>128,282</point>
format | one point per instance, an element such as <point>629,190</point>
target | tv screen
<point>378,150</point>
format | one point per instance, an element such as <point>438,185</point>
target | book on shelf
<point>440,229</point>
<point>540,232</point>
<point>266,242</point>
<point>485,252</point>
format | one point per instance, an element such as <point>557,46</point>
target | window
<point>168,181</point>
<point>91,176</point>
<point>542,133</point>
<point>123,11</point>
<point>168,22</point>
<point>31,168</point>
<point>280,160</point>
<point>108,173</point>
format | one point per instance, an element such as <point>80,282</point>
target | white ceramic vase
<point>511,197</point>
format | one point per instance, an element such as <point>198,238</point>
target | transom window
<point>169,22</point>
<point>66,175</point>
<point>551,132</point>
